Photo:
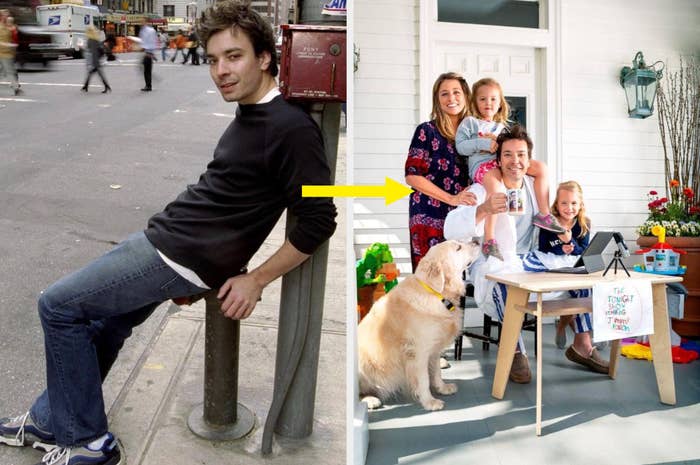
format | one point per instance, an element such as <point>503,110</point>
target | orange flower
<point>674,183</point>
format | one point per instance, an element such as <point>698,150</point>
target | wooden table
<point>520,285</point>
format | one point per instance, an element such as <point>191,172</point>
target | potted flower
<point>678,103</point>
<point>679,213</point>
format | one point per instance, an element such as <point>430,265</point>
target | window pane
<point>514,13</point>
<point>518,110</point>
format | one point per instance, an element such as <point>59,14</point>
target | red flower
<point>688,192</point>
<point>694,210</point>
<point>663,200</point>
<point>653,193</point>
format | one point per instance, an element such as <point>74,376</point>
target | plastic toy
<point>376,267</point>
<point>643,351</point>
<point>661,258</point>
<point>376,275</point>
<point>637,351</point>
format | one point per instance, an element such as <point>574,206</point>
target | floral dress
<point>434,157</point>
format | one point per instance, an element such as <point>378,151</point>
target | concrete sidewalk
<point>149,412</point>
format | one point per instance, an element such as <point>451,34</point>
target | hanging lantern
<point>639,83</point>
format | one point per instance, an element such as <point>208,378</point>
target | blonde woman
<point>94,48</point>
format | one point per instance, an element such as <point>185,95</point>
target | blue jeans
<point>86,317</point>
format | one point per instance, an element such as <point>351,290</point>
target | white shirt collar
<point>274,92</point>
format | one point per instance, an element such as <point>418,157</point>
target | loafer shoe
<point>520,370</point>
<point>593,362</point>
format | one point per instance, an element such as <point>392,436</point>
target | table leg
<point>538,408</point>
<point>512,323</point>
<point>660,343</point>
<point>614,357</point>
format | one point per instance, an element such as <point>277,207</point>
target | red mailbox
<point>313,63</point>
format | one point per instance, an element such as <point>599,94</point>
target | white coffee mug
<point>516,201</point>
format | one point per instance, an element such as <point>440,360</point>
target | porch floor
<point>587,418</point>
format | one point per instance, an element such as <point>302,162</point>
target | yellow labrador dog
<point>401,338</point>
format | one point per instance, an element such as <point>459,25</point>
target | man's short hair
<point>236,15</point>
<point>515,132</point>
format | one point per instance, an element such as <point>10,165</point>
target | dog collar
<point>450,306</point>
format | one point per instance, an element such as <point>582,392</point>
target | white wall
<point>385,103</point>
<point>616,159</point>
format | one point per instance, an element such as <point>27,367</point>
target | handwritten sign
<point>622,309</point>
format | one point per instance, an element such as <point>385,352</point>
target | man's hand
<point>239,295</point>
<point>495,203</point>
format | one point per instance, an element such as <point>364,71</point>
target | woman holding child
<point>433,169</point>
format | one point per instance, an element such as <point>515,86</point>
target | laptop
<point>591,260</point>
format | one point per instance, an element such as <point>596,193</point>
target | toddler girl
<point>476,139</point>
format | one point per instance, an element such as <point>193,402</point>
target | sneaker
<point>520,370</point>
<point>490,247</point>
<point>549,223</point>
<point>21,431</point>
<point>108,454</point>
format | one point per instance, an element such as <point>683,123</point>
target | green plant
<point>678,103</point>
<point>679,214</point>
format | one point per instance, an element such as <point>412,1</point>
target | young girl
<point>569,210</point>
<point>476,139</point>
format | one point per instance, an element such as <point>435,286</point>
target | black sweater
<point>260,163</point>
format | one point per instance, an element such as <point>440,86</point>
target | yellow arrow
<point>391,191</point>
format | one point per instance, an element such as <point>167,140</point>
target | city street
<point>62,155</point>
<point>78,173</point>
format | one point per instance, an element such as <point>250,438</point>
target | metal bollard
<point>301,315</point>
<point>220,417</point>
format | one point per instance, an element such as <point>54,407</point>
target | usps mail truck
<point>68,24</point>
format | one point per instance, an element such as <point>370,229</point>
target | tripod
<point>617,258</point>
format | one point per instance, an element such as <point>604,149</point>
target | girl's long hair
<point>573,186</point>
<point>503,112</point>
<point>443,121</point>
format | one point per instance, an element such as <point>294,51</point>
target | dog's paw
<point>446,389</point>
<point>432,404</point>
<point>372,402</point>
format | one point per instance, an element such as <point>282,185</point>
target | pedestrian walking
<point>95,52</point>
<point>164,44</point>
<point>148,42</point>
<point>8,51</point>
<point>202,240</point>
<point>192,44</point>
<point>180,41</point>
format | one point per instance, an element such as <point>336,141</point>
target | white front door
<point>513,67</point>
